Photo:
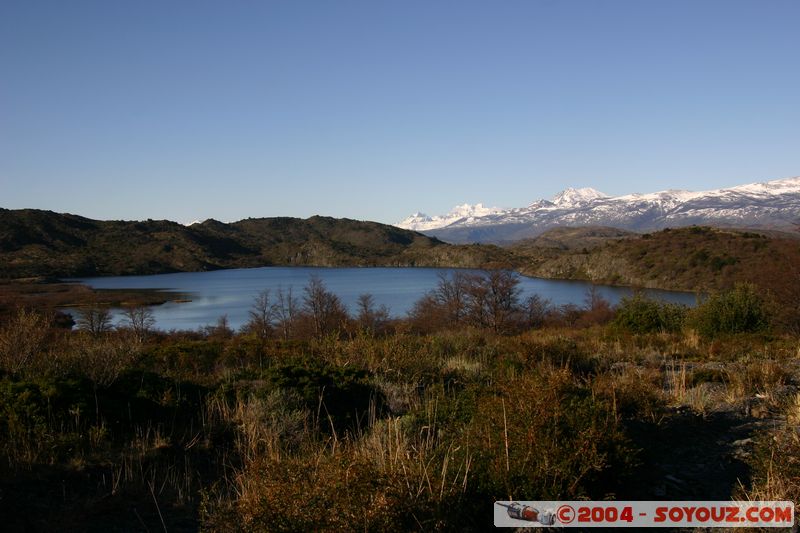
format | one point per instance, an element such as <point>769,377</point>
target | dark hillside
<point>693,259</point>
<point>36,243</point>
<point>572,238</point>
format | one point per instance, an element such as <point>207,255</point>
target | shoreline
<point>62,293</point>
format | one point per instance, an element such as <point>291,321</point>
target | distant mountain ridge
<point>772,204</point>
<point>36,243</point>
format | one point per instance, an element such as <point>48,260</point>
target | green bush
<point>345,394</point>
<point>740,310</point>
<point>642,314</point>
<point>41,422</point>
<point>187,359</point>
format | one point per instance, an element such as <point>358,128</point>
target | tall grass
<point>354,429</point>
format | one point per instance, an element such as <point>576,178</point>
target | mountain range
<point>767,205</point>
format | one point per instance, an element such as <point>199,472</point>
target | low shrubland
<point>312,419</point>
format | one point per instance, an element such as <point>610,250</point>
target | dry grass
<point>763,379</point>
<point>445,422</point>
<point>793,410</point>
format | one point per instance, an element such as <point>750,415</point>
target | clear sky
<point>376,109</point>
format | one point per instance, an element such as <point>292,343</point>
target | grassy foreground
<point>312,419</point>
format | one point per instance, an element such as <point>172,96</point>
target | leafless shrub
<point>536,309</point>
<point>488,299</point>
<point>262,317</point>
<point>323,308</point>
<point>285,311</point>
<point>370,318</point>
<point>104,358</point>
<point>221,330</point>
<point>139,319</point>
<point>23,340</point>
<point>95,319</point>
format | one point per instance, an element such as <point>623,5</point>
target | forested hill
<point>697,258</point>
<point>36,243</point>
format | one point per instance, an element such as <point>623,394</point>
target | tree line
<point>489,300</point>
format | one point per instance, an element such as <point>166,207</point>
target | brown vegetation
<point>310,419</point>
<point>694,259</point>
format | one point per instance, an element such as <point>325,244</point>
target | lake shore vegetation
<point>313,417</point>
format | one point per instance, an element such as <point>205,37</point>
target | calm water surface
<point>231,292</point>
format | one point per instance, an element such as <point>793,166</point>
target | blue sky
<point>375,109</point>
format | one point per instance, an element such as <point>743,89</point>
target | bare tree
<point>427,315</point>
<point>593,299</point>
<point>139,318</point>
<point>477,300</point>
<point>536,310</point>
<point>598,310</point>
<point>324,309</point>
<point>450,293</point>
<point>488,299</point>
<point>370,318</point>
<point>262,316</point>
<point>569,314</point>
<point>94,319</point>
<point>285,310</point>
<point>220,330</point>
<point>492,299</point>
<point>502,287</point>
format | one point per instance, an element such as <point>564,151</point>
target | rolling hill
<point>36,243</point>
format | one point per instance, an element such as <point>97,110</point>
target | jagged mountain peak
<point>770,187</point>
<point>769,204</point>
<point>473,210</point>
<point>460,213</point>
<point>572,196</point>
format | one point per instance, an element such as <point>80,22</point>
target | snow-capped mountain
<point>577,197</point>
<point>772,204</point>
<point>464,213</point>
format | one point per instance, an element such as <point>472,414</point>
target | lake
<point>231,292</point>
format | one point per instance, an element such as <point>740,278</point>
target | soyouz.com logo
<point>644,514</point>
